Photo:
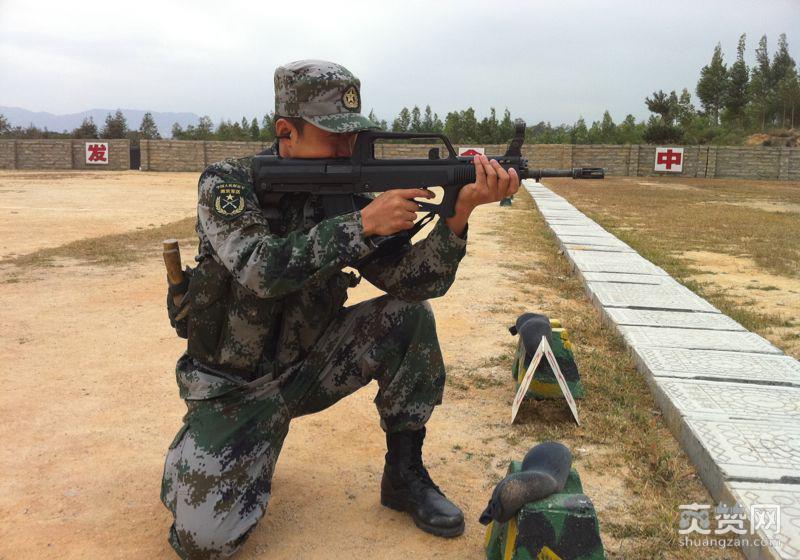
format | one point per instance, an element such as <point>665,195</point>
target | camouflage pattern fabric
<point>324,93</point>
<point>283,311</point>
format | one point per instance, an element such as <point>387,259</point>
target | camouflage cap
<point>323,93</point>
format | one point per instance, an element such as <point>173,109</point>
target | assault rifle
<point>338,179</point>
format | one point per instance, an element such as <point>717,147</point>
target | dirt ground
<point>90,403</point>
<point>47,209</point>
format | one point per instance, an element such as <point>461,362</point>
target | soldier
<point>270,340</point>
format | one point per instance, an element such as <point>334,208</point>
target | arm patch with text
<point>228,202</point>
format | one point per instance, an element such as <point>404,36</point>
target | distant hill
<point>57,123</point>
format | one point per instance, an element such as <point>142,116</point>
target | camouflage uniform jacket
<point>270,276</point>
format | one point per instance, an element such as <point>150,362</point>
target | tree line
<point>735,102</point>
<point>115,126</point>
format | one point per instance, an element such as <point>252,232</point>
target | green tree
<point>608,130</point>
<point>663,105</point>
<point>224,131</point>
<point>204,129</point>
<point>267,133</point>
<point>579,133</point>
<point>116,126</point>
<point>684,110</point>
<point>469,124</point>
<point>255,132</point>
<point>178,132</point>
<point>783,73</point>
<point>788,94</point>
<point>380,122</point>
<point>403,121</point>
<point>416,120</point>
<point>507,127</point>
<point>5,127</point>
<point>87,129</point>
<point>438,125</point>
<point>148,129</point>
<point>629,132</point>
<point>488,130</point>
<point>594,134</point>
<point>427,120</point>
<point>738,78</point>
<point>761,83</point>
<point>657,132</point>
<point>713,85</point>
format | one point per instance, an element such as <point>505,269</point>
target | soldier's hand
<point>492,184</point>
<point>392,211</point>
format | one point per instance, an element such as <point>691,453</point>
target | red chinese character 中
<point>669,158</point>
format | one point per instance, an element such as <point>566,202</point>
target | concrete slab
<point>676,319</point>
<point>765,369</point>
<point>628,263</point>
<point>609,241</point>
<point>759,496</point>
<point>725,400</point>
<point>734,341</point>
<point>588,231</point>
<point>623,278</point>
<point>744,450</point>
<point>573,222</point>
<point>600,248</point>
<point>666,296</point>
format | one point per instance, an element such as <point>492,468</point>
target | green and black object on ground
<point>561,525</point>
<point>531,327</point>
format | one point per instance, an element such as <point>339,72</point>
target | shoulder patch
<point>228,201</point>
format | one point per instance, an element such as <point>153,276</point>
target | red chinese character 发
<point>98,152</point>
<point>668,158</point>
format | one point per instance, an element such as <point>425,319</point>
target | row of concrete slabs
<point>731,398</point>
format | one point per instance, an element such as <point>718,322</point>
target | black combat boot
<point>406,486</point>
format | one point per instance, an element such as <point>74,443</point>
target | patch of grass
<point>764,288</point>
<point>111,249</point>
<point>707,217</point>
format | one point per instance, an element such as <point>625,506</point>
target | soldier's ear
<point>284,129</point>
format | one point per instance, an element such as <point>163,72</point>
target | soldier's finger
<point>407,225</point>
<point>513,179</point>
<point>502,179</point>
<point>413,193</point>
<point>491,177</point>
<point>409,205</point>
<point>480,173</point>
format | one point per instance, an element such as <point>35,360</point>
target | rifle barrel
<point>574,173</point>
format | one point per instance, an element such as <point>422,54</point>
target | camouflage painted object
<point>562,526</point>
<point>545,469</point>
<point>544,384</point>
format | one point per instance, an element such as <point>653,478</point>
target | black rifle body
<point>340,178</point>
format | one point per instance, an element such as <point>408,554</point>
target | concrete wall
<point>192,155</point>
<point>60,154</point>
<point>760,162</point>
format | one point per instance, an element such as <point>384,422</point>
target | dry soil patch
<point>40,210</point>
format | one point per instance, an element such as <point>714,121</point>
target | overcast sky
<point>549,61</point>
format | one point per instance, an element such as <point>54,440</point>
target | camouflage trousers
<point>219,467</point>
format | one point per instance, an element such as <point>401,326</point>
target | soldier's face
<point>317,143</point>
